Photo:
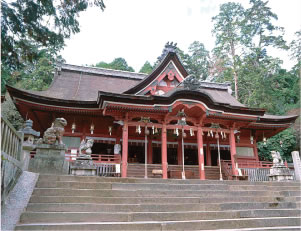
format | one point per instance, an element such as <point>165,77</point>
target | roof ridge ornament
<point>169,47</point>
<point>191,82</point>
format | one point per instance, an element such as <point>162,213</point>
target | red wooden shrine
<point>113,106</point>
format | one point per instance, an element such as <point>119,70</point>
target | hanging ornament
<point>208,134</point>
<point>139,129</point>
<point>264,140</point>
<point>153,129</point>
<point>73,127</point>
<point>252,139</point>
<point>211,132</point>
<point>110,130</point>
<point>146,131</point>
<point>177,131</point>
<point>156,130</point>
<point>238,139</point>
<point>216,135</point>
<point>191,132</point>
<point>92,128</point>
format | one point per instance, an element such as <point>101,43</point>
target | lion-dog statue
<point>55,132</point>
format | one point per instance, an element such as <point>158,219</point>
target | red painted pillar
<point>149,151</point>
<point>180,155</point>
<point>233,151</point>
<point>164,151</point>
<point>201,154</point>
<point>255,150</point>
<point>124,149</point>
<point>208,155</point>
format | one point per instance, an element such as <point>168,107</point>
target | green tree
<point>116,64</point>
<point>228,26</point>
<point>284,142</point>
<point>146,68</point>
<point>37,78</point>
<point>29,27</point>
<point>260,30</point>
<point>10,112</point>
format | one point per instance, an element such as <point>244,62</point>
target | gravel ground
<point>18,200</point>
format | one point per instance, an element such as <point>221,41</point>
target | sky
<point>137,30</point>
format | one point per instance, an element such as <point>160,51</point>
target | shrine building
<point>165,119</point>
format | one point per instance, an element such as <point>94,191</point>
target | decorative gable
<point>168,79</point>
<point>168,74</point>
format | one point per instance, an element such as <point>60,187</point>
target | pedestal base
<point>83,167</point>
<point>280,173</point>
<point>49,159</point>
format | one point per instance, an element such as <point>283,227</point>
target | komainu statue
<point>277,160</point>
<point>86,147</point>
<point>55,132</point>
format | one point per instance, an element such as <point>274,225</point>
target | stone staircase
<point>99,203</point>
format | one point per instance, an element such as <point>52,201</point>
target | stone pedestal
<point>280,173</point>
<point>83,167</point>
<point>49,159</point>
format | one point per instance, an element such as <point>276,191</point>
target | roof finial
<point>169,47</point>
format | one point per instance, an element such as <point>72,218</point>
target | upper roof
<point>83,83</point>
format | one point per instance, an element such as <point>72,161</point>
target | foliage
<point>243,35</point>
<point>9,112</point>
<point>116,64</point>
<point>284,142</point>
<point>39,78</point>
<point>296,49</point>
<point>146,68</point>
<point>197,60</point>
<point>30,27</point>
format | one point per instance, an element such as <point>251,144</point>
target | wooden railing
<point>11,140</point>
<point>98,159</point>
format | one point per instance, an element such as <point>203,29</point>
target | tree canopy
<point>116,64</point>
<point>30,27</point>
<point>146,68</point>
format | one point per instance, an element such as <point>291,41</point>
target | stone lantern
<point>28,142</point>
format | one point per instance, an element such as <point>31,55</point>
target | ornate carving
<point>55,132</point>
<point>191,83</point>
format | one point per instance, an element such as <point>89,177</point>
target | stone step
<point>147,200</point>
<point>149,193</point>
<point>59,217</point>
<point>154,186</point>
<point>237,223</point>
<point>87,179</point>
<point>94,207</point>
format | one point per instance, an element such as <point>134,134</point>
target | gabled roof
<point>171,56</point>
